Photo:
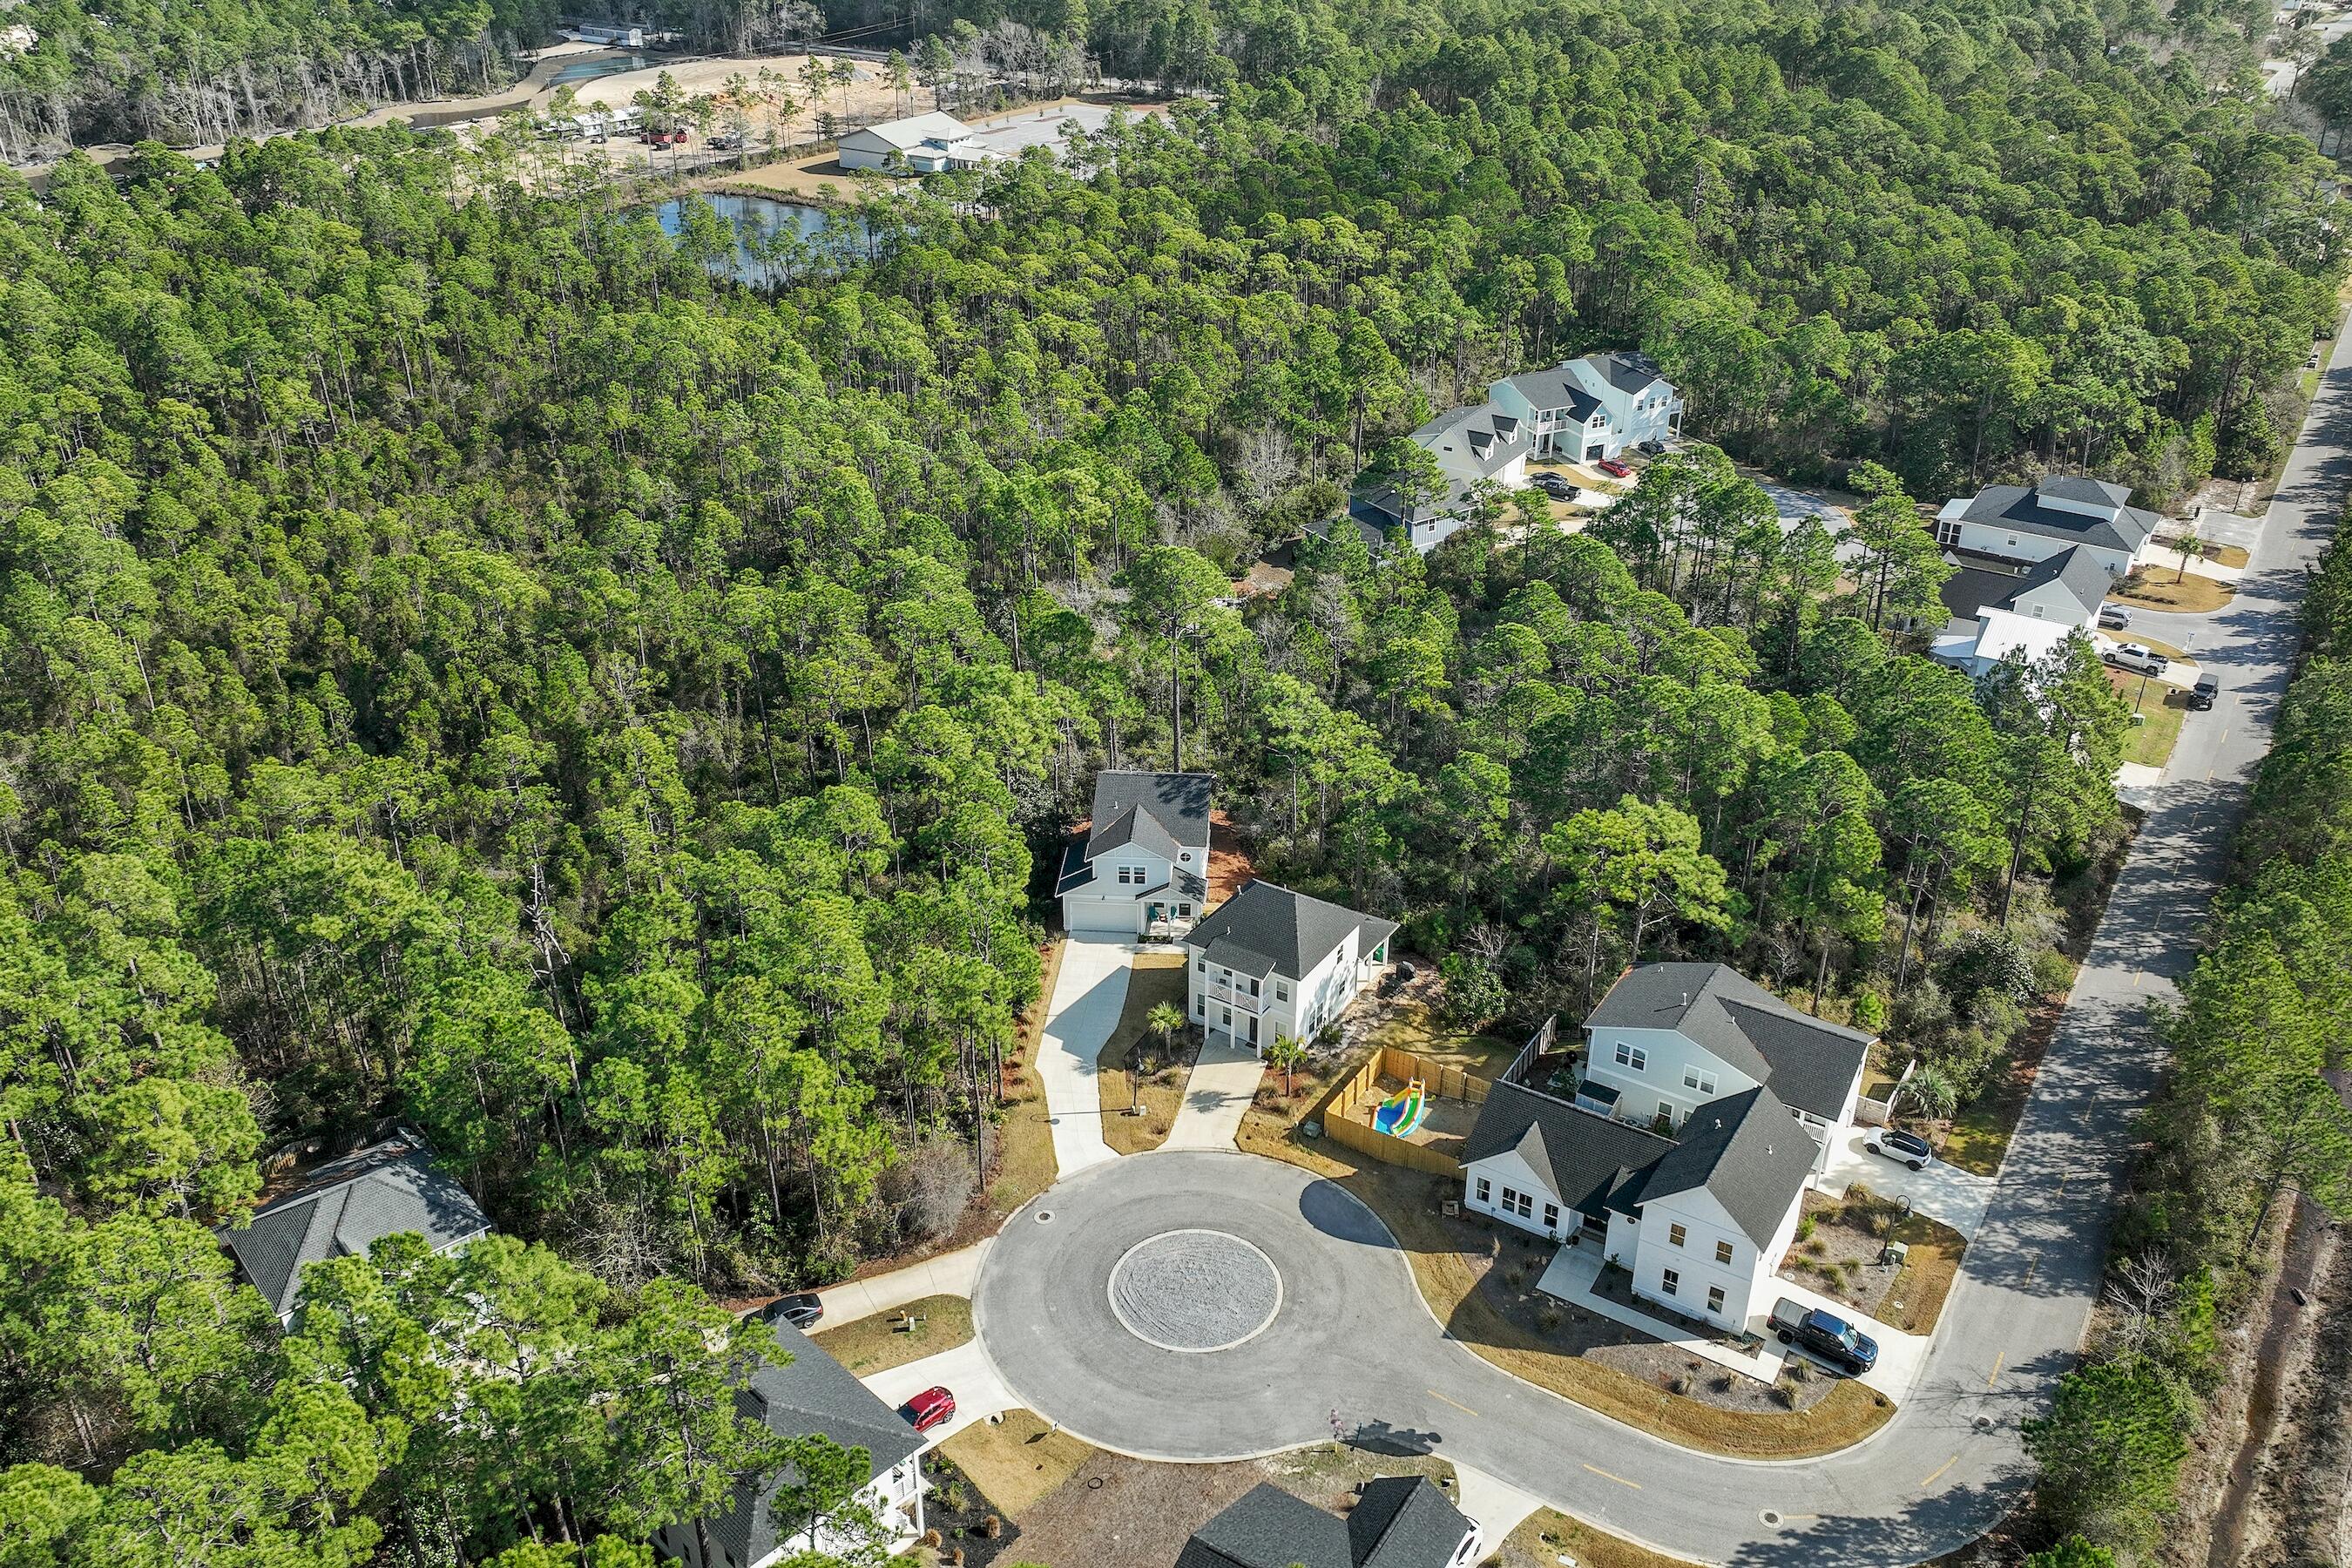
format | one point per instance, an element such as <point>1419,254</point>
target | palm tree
<point>1285,1055</point>
<point>1166,1021</point>
<point>2190,546</point>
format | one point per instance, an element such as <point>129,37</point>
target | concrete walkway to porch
<point>1574,1271</point>
<point>1224,1082</point>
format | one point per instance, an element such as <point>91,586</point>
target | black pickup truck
<point>1834,1339</point>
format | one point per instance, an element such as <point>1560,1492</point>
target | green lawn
<point>878,1343</point>
<point>2161,708</point>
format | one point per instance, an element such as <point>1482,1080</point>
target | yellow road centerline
<point>1636,1485</point>
<point>1455,1403</point>
<point>1939,1476</point>
<point>1998,1358</point>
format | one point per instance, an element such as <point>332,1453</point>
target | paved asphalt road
<point>1944,1470</point>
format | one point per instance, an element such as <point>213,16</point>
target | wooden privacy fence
<point>1347,1114</point>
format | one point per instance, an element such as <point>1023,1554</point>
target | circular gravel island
<point>1195,1290</point>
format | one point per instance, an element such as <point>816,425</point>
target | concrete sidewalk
<point>948,1274</point>
<point>1088,996</point>
<point>1224,1082</point>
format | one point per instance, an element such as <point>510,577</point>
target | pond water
<point>757,222</point>
<point>589,71</point>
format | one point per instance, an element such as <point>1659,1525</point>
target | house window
<point>1715,1300</point>
<point>1669,1282</point>
<point>1201,1005</point>
<point>1702,1081</point>
<point>1130,876</point>
<point>1282,991</point>
<point>1253,984</point>
<point>1201,965</point>
<point>1518,1202</point>
<point>1229,1016</point>
<point>1675,1235</point>
<point>1723,1253</point>
<point>1633,1057</point>
<point>1183,911</point>
<point>1551,1216</point>
<point>1666,1110</point>
<point>1486,1191</point>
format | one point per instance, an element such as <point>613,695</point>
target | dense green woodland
<point>468,663</point>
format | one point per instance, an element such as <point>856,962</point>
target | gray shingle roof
<point>1554,388</point>
<point>1746,1150</point>
<point>2085,488</point>
<point>2015,507</point>
<point>1625,372</point>
<point>1584,1157</point>
<point>1159,812</point>
<point>1480,438</point>
<point>1398,1521</point>
<point>811,1394</point>
<point>1810,1065</point>
<point>1265,930</point>
<point>345,1206</point>
<point>2073,569</point>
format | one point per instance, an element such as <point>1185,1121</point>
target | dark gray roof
<point>2073,569</point>
<point>1265,929</point>
<point>809,1393</point>
<point>2015,507</point>
<point>1554,388</point>
<point>1626,371</point>
<point>1160,812</point>
<point>1584,1157</point>
<point>2085,488</point>
<point>1810,1065</point>
<point>1970,589</point>
<point>1398,1521</point>
<point>1745,1149</point>
<point>1375,535</point>
<point>345,1206</point>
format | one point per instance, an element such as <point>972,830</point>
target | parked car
<point>725,142</point>
<point>1894,1144</point>
<point>1613,469</point>
<point>930,1408</point>
<point>1555,487</point>
<point>2115,617</point>
<point>2203,694</point>
<point>1830,1339</point>
<point>1654,448</point>
<point>800,1311</point>
<point>2138,657</point>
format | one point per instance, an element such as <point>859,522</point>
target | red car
<point>1613,469</point>
<point>930,1408</point>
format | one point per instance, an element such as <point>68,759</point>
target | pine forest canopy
<point>469,662</point>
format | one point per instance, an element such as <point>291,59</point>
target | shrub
<point>929,1186</point>
<point>1805,1227</point>
<point>1986,966</point>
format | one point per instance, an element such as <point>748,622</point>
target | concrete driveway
<point>1224,1080</point>
<point>1088,996</point>
<point>1943,1192</point>
<point>965,1372</point>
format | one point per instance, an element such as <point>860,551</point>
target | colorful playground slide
<point>1400,1113</point>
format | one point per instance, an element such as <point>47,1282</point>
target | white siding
<point>1107,905</point>
<point>1661,1078</point>
<point>1281,1004</point>
<point>2015,544</point>
<point>1506,1172</point>
<point>1705,1224</point>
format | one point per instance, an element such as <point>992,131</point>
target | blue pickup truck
<point>1832,1339</point>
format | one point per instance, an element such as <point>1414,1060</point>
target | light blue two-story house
<point>1593,408</point>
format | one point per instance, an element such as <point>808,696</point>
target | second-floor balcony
<point>1237,996</point>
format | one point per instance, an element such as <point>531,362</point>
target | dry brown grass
<point>1448,1283</point>
<point>1152,978</point>
<point>2157,588</point>
<point>878,1342</point>
<point>1025,1141</point>
<point>1413,1027</point>
<point>1018,1461</point>
<point>1546,1535</point>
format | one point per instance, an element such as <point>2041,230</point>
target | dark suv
<point>2204,693</point>
<point>1834,1339</point>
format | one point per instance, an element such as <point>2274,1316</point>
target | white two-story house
<point>1268,962</point>
<point>2065,511</point>
<point>1481,445</point>
<point>1671,1037</point>
<point>1706,1108</point>
<point>1140,869</point>
<point>1585,409</point>
<point>2025,615</point>
<point>804,1392</point>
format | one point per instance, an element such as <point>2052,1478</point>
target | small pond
<point>757,222</point>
